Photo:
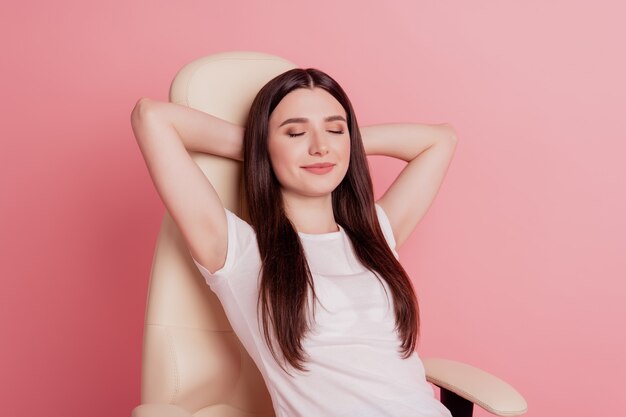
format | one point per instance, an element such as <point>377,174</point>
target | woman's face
<point>309,127</point>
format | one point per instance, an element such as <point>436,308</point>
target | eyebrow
<point>305,120</point>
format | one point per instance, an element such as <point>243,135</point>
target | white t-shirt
<point>354,364</point>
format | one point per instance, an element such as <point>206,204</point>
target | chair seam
<point>172,351</point>
<point>188,327</point>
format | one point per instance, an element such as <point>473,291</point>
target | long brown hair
<point>286,278</point>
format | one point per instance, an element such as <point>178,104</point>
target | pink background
<point>519,263</point>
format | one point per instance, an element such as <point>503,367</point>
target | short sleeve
<point>231,252</point>
<point>385,225</point>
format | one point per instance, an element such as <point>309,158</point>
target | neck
<point>313,215</point>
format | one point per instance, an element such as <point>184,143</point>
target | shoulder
<point>385,225</point>
<point>238,223</point>
<point>241,239</point>
<point>241,234</point>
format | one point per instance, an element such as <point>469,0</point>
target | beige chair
<point>193,363</point>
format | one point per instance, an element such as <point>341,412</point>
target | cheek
<point>276,157</point>
<point>280,161</point>
<point>273,153</point>
<point>346,150</point>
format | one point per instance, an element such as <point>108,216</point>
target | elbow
<point>140,110</point>
<point>139,118</point>
<point>448,139</point>
<point>450,132</point>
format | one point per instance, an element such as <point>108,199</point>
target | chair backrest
<point>191,356</point>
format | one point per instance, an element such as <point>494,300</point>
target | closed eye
<point>293,135</point>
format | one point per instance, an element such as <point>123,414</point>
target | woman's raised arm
<point>428,149</point>
<point>165,133</point>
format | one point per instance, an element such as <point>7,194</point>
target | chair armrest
<point>475,385</point>
<point>160,410</point>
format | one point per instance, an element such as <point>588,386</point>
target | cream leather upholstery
<point>193,363</point>
<point>475,385</point>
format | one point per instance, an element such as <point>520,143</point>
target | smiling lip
<point>319,168</point>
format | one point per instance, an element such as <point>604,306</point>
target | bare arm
<point>428,149</point>
<point>165,133</point>
<point>200,131</point>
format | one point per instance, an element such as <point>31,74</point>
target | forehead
<point>303,102</point>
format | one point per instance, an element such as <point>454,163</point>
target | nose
<point>318,145</point>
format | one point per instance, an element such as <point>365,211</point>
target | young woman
<point>312,286</point>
